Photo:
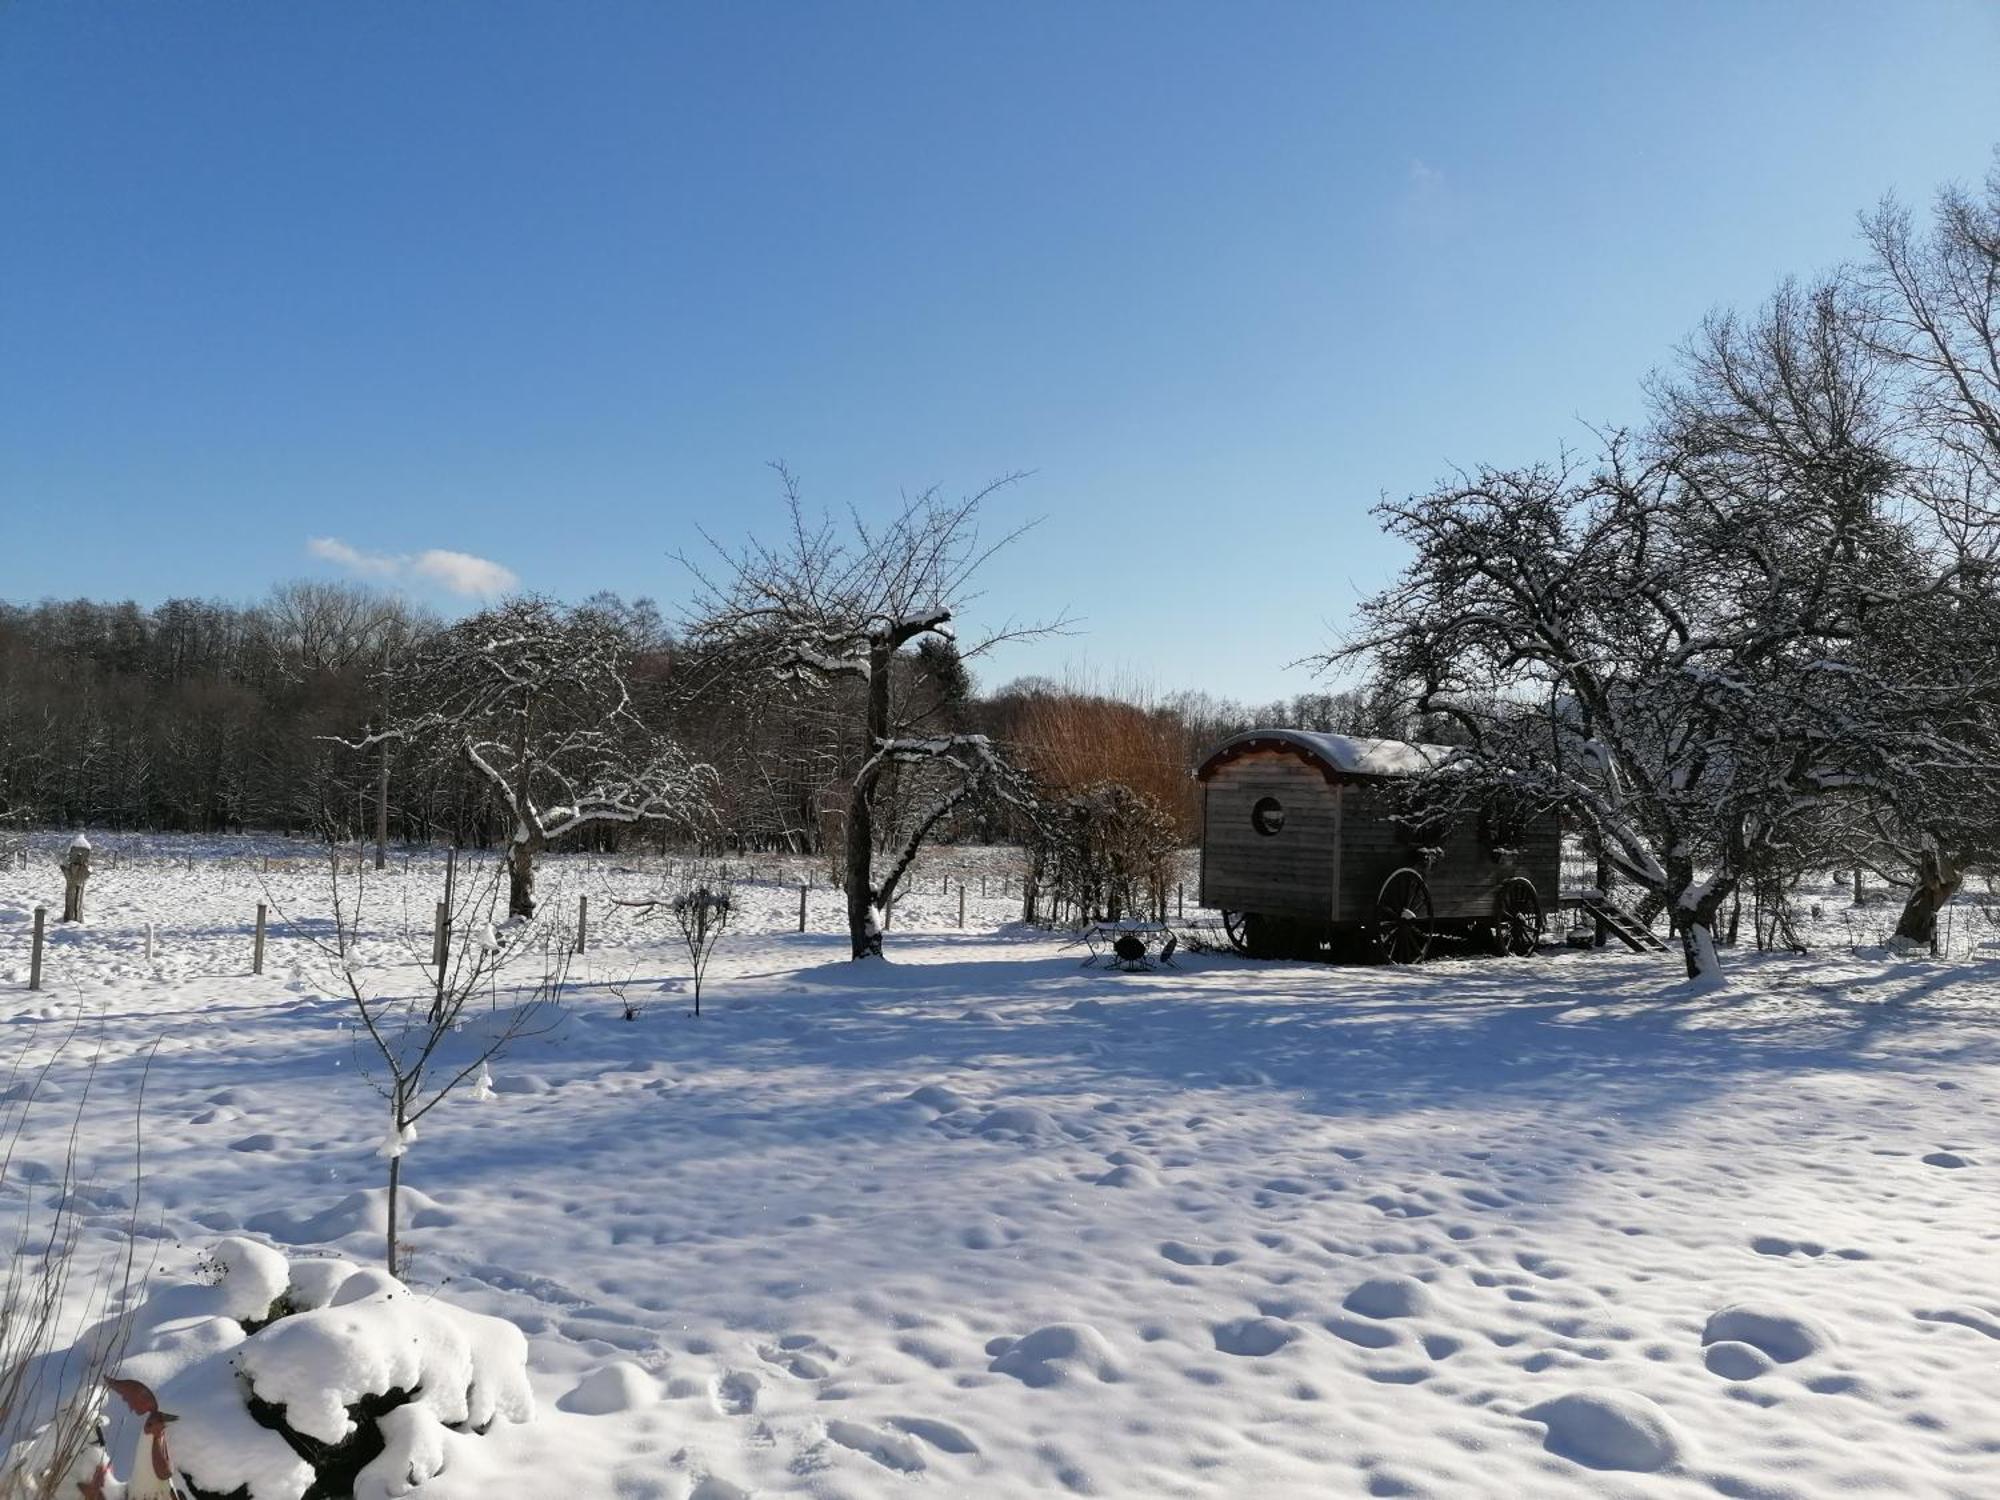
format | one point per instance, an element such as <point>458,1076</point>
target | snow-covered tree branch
<point>840,609</point>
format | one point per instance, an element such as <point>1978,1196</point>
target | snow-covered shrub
<point>1105,850</point>
<point>263,1379</point>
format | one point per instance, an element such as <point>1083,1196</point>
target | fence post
<point>961,903</point>
<point>1180,900</point>
<point>35,960</point>
<point>257,954</point>
<point>802,906</point>
<point>582,920</point>
<point>438,944</point>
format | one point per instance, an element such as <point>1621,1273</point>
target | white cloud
<point>1427,203</point>
<point>457,572</point>
<point>463,573</point>
<point>334,550</point>
<point>1425,178</point>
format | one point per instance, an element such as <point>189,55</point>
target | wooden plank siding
<point>1464,877</point>
<point>1289,873</point>
<point>1339,843</point>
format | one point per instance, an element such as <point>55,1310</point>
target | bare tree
<point>420,1046</point>
<point>837,609</point>
<point>535,700</point>
<point>1933,308</point>
<point>700,900</point>
<point>1676,640</point>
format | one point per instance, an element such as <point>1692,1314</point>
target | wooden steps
<point>1620,923</point>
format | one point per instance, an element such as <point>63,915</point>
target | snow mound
<point>1254,1337</point>
<point>1608,1430</point>
<point>365,1212</point>
<point>935,1096</point>
<point>1784,1336</point>
<point>276,1381</point>
<point>1389,1297</point>
<point>617,1387</point>
<point>1127,1175</point>
<point>1020,1120</point>
<point>1055,1355</point>
<point>1734,1361</point>
<point>522,1083</point>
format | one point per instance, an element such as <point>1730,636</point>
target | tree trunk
<point>864,902</point>
<point>1938,880</point>
<point>395,1189</point>
<point>1696,923</point>
<point>864,922</point>
<point>1698,950</point>
<point>382,810</point>
<point>521,876</point>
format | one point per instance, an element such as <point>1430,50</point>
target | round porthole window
<point>1268,816</point>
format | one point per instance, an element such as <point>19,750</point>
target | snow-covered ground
<point>979,1221</point>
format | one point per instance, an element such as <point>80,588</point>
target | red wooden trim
<point>1233,752</point>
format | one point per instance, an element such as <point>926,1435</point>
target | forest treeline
<point>210,716</point>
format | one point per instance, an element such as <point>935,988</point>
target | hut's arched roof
<point>1337,756</point>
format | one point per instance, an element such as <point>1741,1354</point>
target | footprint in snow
<point>988,1236</point>
<point>1977,1319</point>
<point>735,1394</point>
<point>1364,1335</point>
<point>1189,1255</point>
<point>942,1436</point>
<point>799,1355</point>
<point>892,1450</point>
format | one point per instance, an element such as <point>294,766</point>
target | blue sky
<point>546,286</point>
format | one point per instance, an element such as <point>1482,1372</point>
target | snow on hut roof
<point>1334,754</point>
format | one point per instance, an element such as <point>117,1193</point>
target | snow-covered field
<point>979,1221</point>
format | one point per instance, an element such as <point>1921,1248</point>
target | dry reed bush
<point>1083,735</point>
<point>59,1329</point>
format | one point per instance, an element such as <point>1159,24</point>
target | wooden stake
<point>961,903</point>
<point>439,946</point>
<point>802,906</point>
<point>582,920</point>
<point>1180,899</point>
<point>257,954</point>
<point>35,959</point>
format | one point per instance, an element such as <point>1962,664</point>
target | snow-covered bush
<point>1104,850</point>
<point>266,1379</point>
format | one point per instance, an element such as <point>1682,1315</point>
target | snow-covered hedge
<point>279,1380</point>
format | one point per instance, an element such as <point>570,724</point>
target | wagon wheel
<point>1237,925</point>
<point>1403,918</point>
<point>1517,918</point>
